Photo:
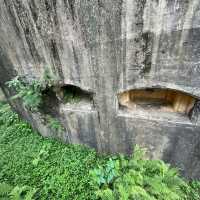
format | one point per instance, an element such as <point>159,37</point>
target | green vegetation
<point>71,95</point>
<point>140,179</point>
<point>31,95</point>
<point>16,193</point>
<point>54,124</point>
<point>33,167</point>
<point>55,170</point>
<point>31,92</point>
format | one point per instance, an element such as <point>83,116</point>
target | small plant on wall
<point>71,97</point>
<point>31,94</point>
<point>31,91</point>
<point>54,124</point>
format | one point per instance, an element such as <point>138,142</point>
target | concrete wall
<point>2,97</point>
<point>107,47</point>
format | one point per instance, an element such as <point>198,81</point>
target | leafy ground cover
<point>55,170</point>
<point>32,167</point>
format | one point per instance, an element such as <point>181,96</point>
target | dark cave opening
<point>50,102</point>
<point>74,94</point>
<point>69,95</point>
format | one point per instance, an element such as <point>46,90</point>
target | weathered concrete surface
<point>107,47</point>
<point>2,97</point>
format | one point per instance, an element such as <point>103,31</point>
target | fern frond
<point>17,192</point>
<point>106,194</point>
<point>30,194</point>
<point>5,189</point>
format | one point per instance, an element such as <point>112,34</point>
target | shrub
<point>192,190</point>
<point>30,93</point>
<point>138,178</point>
<point>7,192</point>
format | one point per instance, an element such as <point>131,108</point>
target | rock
<point>105,48</point>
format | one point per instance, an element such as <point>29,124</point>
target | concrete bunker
<point>69,96</point>
<point>74,94</point>
<point>158,101</point>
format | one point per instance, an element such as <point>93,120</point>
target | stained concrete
<point>2,97</point>
<point>108,47</point>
